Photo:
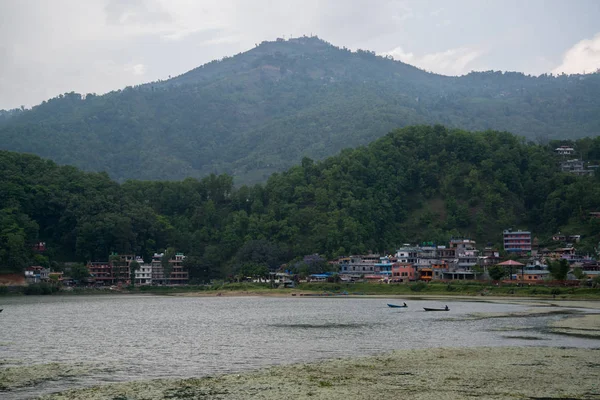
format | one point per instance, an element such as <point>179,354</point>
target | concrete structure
<point>36,274</point>
<point>403,272</point>
<point>384,267</point>
<point>143,276</point>
<point>101,272</point>
<point>408,254</point>
<point>576,167</point>
<point>565,150</point>
<point>178,274</point>
<point>517,241</point>
<point>359,265</point>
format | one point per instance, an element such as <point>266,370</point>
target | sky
<point>49,47</point>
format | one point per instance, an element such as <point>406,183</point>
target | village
<point>458,260</point>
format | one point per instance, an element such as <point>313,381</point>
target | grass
<point>465,288</point>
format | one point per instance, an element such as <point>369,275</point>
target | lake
<point>126,337</point>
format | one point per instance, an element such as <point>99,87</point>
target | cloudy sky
<point>48,47</point>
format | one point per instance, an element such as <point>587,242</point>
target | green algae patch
<point>13,377</point>
<point>425,374</point>
<point>586,326</point>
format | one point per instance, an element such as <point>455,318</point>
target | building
<point>101,272</point>
<point>403,272</point>
<point>565,150</point>
<point>143,275</point>
<point>576,167</point>
<point>158,272</point>
<point>359,265</point>
<point>176,274</point>
<point>179,275</point>
<point>518,242</point>
<point>384,267</point>
<point>408,254</point>
<point>36,274</point>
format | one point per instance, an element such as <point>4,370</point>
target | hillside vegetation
<point>423,183</point>
<point>263,110</point>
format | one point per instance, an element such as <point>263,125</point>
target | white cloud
<point>583,57</point>
<point>450,62</point>
<point>136,69</point>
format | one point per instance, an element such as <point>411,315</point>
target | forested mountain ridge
<point>263,110</point>
<point>424,183</point>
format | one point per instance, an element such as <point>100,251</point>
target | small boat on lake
<point>397,306</point>
<point>436,309</point>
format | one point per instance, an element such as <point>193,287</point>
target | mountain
<point>424,183</point>
<point>263,110</point>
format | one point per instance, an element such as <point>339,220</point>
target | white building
<point>143,276</point>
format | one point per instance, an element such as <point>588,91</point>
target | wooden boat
<point>397,306</point>
<point>436,309</point>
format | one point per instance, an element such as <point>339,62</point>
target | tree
<point>133,267</point>
<point>579,273</point>
<point>79,272</point>
<point>559,269</point>
<point>497,272</point>
<point>164,261</point>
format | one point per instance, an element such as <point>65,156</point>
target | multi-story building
<point>576,167</point>
<point>517,241</point>
<point>408,254</point>
<point>100,272</point>
<point>121,267</point>
<point>158,272</point>
<point>177,275</point>
<point>403,272</point>
<point>359,265</point>
<point>36,274</point>
<point>565,150</point>
<point>384,267</point>
<point>143,275</point>
<point>446,254</point>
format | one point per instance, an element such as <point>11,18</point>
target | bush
<point>417,287</point>
<point>40,289</point>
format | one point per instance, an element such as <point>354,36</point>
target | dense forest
<point>423,183</point>
<point>262,111</point>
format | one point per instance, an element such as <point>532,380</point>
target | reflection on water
<point>145,337</point>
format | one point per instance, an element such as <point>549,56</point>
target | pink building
<point>403,272</point>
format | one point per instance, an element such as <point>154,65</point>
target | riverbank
<point>491,373</point>
<point>454,289</point>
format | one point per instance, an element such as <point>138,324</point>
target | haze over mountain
<point>263,110</point>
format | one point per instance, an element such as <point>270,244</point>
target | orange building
<point>403,272</point>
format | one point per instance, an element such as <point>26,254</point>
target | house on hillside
<point>517,242</point>
<point>564,150</point>
<point>36,274</point>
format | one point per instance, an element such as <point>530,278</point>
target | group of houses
<point>457,260</point>
<point>574,166</point>
<point>121,269</point>
<point>461,260</point>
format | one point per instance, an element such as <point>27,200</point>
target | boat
<point>436,309</point>
<point>397,306</point>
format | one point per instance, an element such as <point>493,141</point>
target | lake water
<point>125,338</point>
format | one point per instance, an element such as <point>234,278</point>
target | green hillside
<point>415,184</point>
<point>263,110</point>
